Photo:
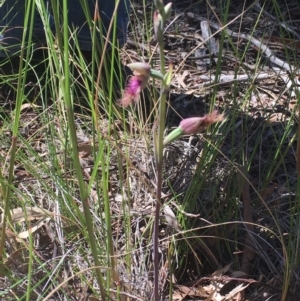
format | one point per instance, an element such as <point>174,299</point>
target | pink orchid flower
<point>136,84</point>
<point>194,125</point>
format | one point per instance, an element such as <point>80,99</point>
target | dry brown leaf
<point>85,149</point>
<point>178,296</point>
<point>235,291</point>
<point>213,291</point>
<point>268,192</point>
<point>83,164</point>
<point>32,213</point>
<point>197,291</point>
<point>275,118</point>
<point>282,189</point>
<point>181,78</point>
<point>28,106</point>
<point>13,258</point>
<point>222,271</point>
<point>37,225</point>
<point>238,274</point>
<point>202,291</point>
<point>187,291</point>
<point>171,218</point>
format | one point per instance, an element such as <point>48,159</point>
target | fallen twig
<point>227,79</point>
<point>258,8</point>
<point>257,43</point>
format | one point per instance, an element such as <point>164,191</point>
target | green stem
<point>159,164</point>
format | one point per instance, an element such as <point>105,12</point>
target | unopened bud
<point>158,25</point>
<point>193,125</point>
<point>167,10</point>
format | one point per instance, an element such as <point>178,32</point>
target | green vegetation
<point>80,173</point>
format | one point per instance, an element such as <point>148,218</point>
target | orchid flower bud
<point>196,125</point>
<point>158,26</point>
<point>167,10</point>
<point>193,125</point>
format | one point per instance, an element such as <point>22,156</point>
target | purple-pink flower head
<point>196,125</point>
<point>136,84</point>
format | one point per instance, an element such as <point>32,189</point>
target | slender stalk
<point>159,164</point>
<point>298,148</point>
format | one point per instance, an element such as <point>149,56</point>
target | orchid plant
<point>141,74</point>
